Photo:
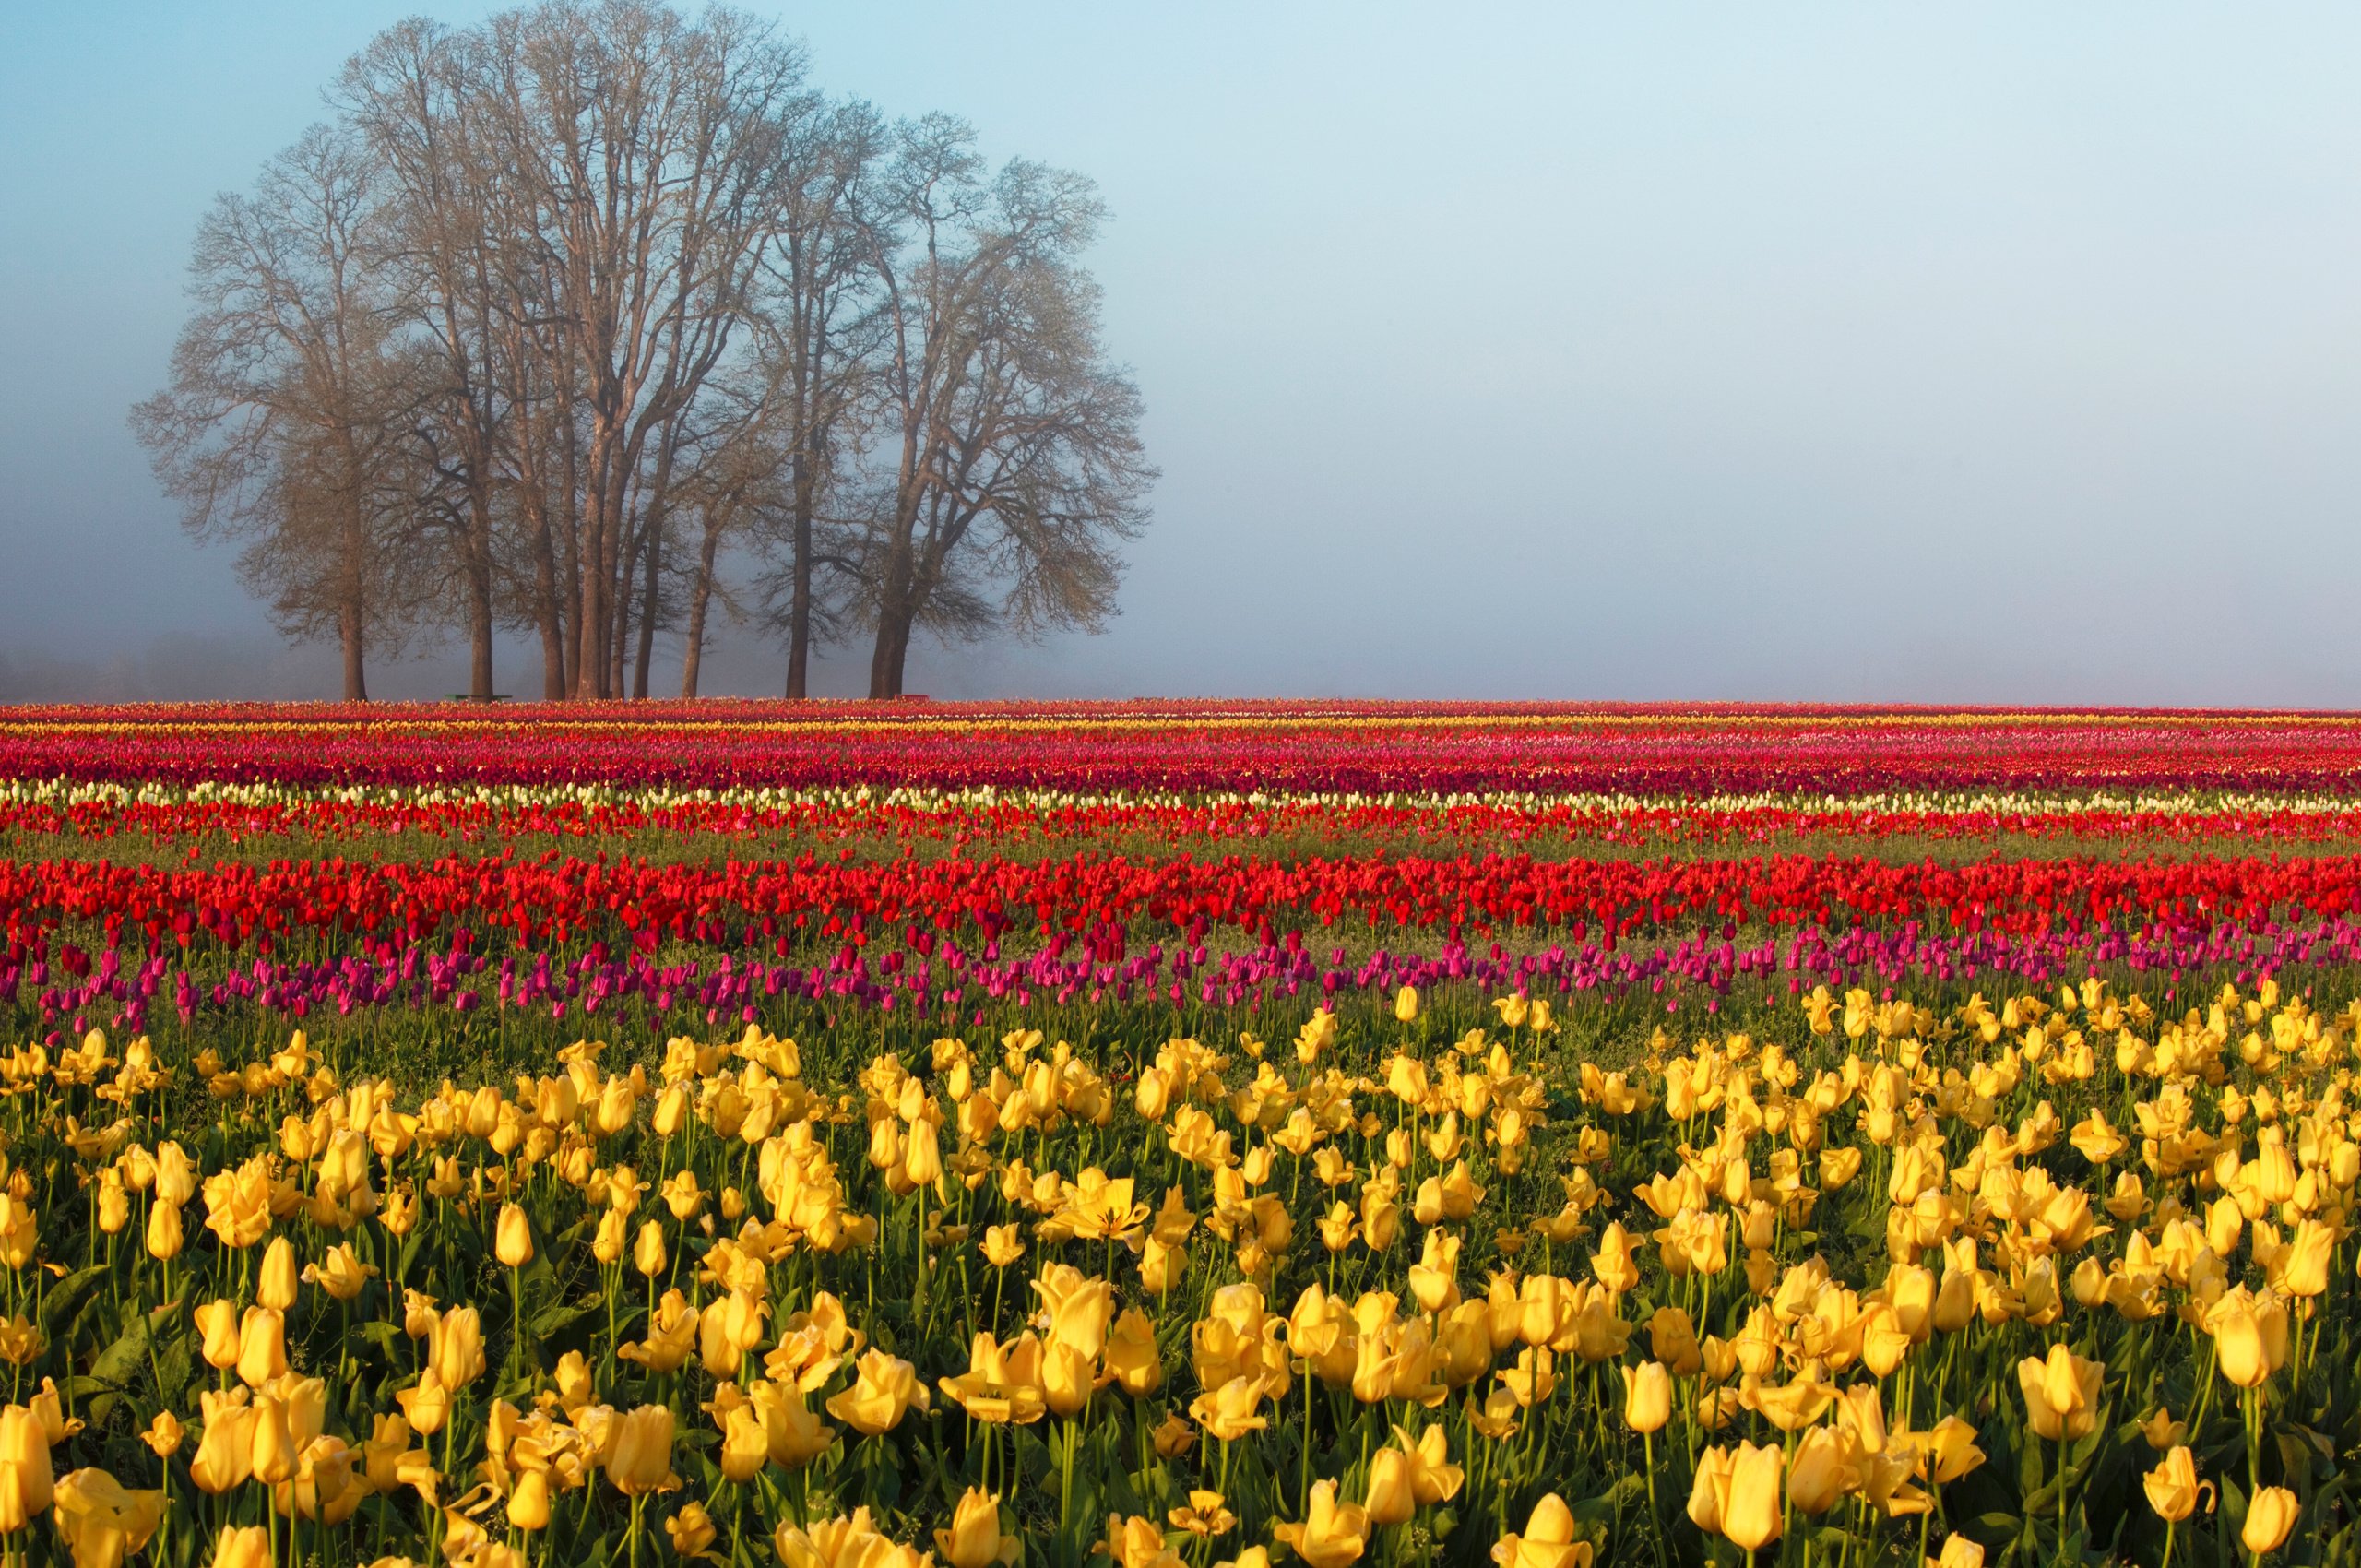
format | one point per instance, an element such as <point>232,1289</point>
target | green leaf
<point>554,1319</point>
<point>70,1295</point>
<point>118,1363</point>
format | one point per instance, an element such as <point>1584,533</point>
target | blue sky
<point>2000,353</point>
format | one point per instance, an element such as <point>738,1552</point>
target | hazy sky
<point>1995,352</point>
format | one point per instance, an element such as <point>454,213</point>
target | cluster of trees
<point>596,320</point>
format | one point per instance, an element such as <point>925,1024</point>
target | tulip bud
<point>973,1540</point>
<point>275,1288</point>
<point>1389,1498</point>
<point>529,1502</point>
<point>1751,1510</point>
<point>242,1546</point>
<point>1131,1354</point>
<point>647,1254</point>
<point>164,1232</point>
<point>459,1347</point>
<point>115,1203</point>
<point>642,1461</point>
<point>1065,1378</point>
<point>274,1451</point>
<point>26,1478</point>
<point>216,1324</point>
<point>607,1244</point>
<point>2271,1518</point>
<point>426,1404</point>
<point>1647,1396</point>
<point>513,1241</point>
<point>2173,1486</point>
<point>262,1345</point>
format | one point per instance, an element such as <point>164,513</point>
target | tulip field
<point>1170,1134</point>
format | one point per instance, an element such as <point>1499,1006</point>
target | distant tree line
<point>596,320</point>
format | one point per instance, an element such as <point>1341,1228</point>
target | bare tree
<point>283,421</point>
<point>646,148</point>
<point>821,329</point>
<point>574,315</point>
<point>1019,465</point>
<point>409,93</point>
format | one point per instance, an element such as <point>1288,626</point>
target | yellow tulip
<point>1131,1354</point>
<point>1332,1535</point>
<point>2249,1336</point>
<point>648,1252</point>
<point>1433,1478</point>
<point>513,1237</point>
<point>274,1285</point>
<point>1708,1488</point>
<point>1387,1498</point>
<point>797,1434</point>
<point>691,1530</point>
<point>1737,1495</point>
<point>1959,1552</point>
<point>100,1520</point>
<point>2062,1394</point>
<point>885,1386</point>
<point>115,1203</point>
<point>1002,1245</point>
<point>323,1487</point>
<point>2271,1518</point>
<point>1066,1381</point>
<point>607,1241</point>
<point>529,1502</point>
<point>1647,1396</point>
<point>1547,1540</point>
<point>457,1351</point>
<point>1406,1005</point>
<point>1207,1513</point>
<point>671,1334</point>
<point>242,1546</point>
<point>973,1540</point>
<point>1823,1470</point>
<point>217,1326</point>
<point>342,1273</point>
<point>164,1232</point>
<point>1080,1307</point>
<point>164,1435</point>
<point>745,1446</point>
<point>1229,1412</point>
<point>2173,1486</point>
<point>2300,1267</point>
<point>225,1450</point>
<point>274,1450</point>
<point>25,1480</point>
<point>642,1461</point>
<point>426,1404</point>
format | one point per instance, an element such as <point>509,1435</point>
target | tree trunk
<point>700,596</point>
<point>885,660</point>
<point>546,612</point>
<point>589,642</point>
<point>646,653</point>
<point>799,613</point>
<point>590,626</point>
<point>480,629</point>
<point>349,625</point>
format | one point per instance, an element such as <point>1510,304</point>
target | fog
<point>2004,354</point>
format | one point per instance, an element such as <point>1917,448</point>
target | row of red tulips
<point>1369,748</point>
<point>1106,900</point>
